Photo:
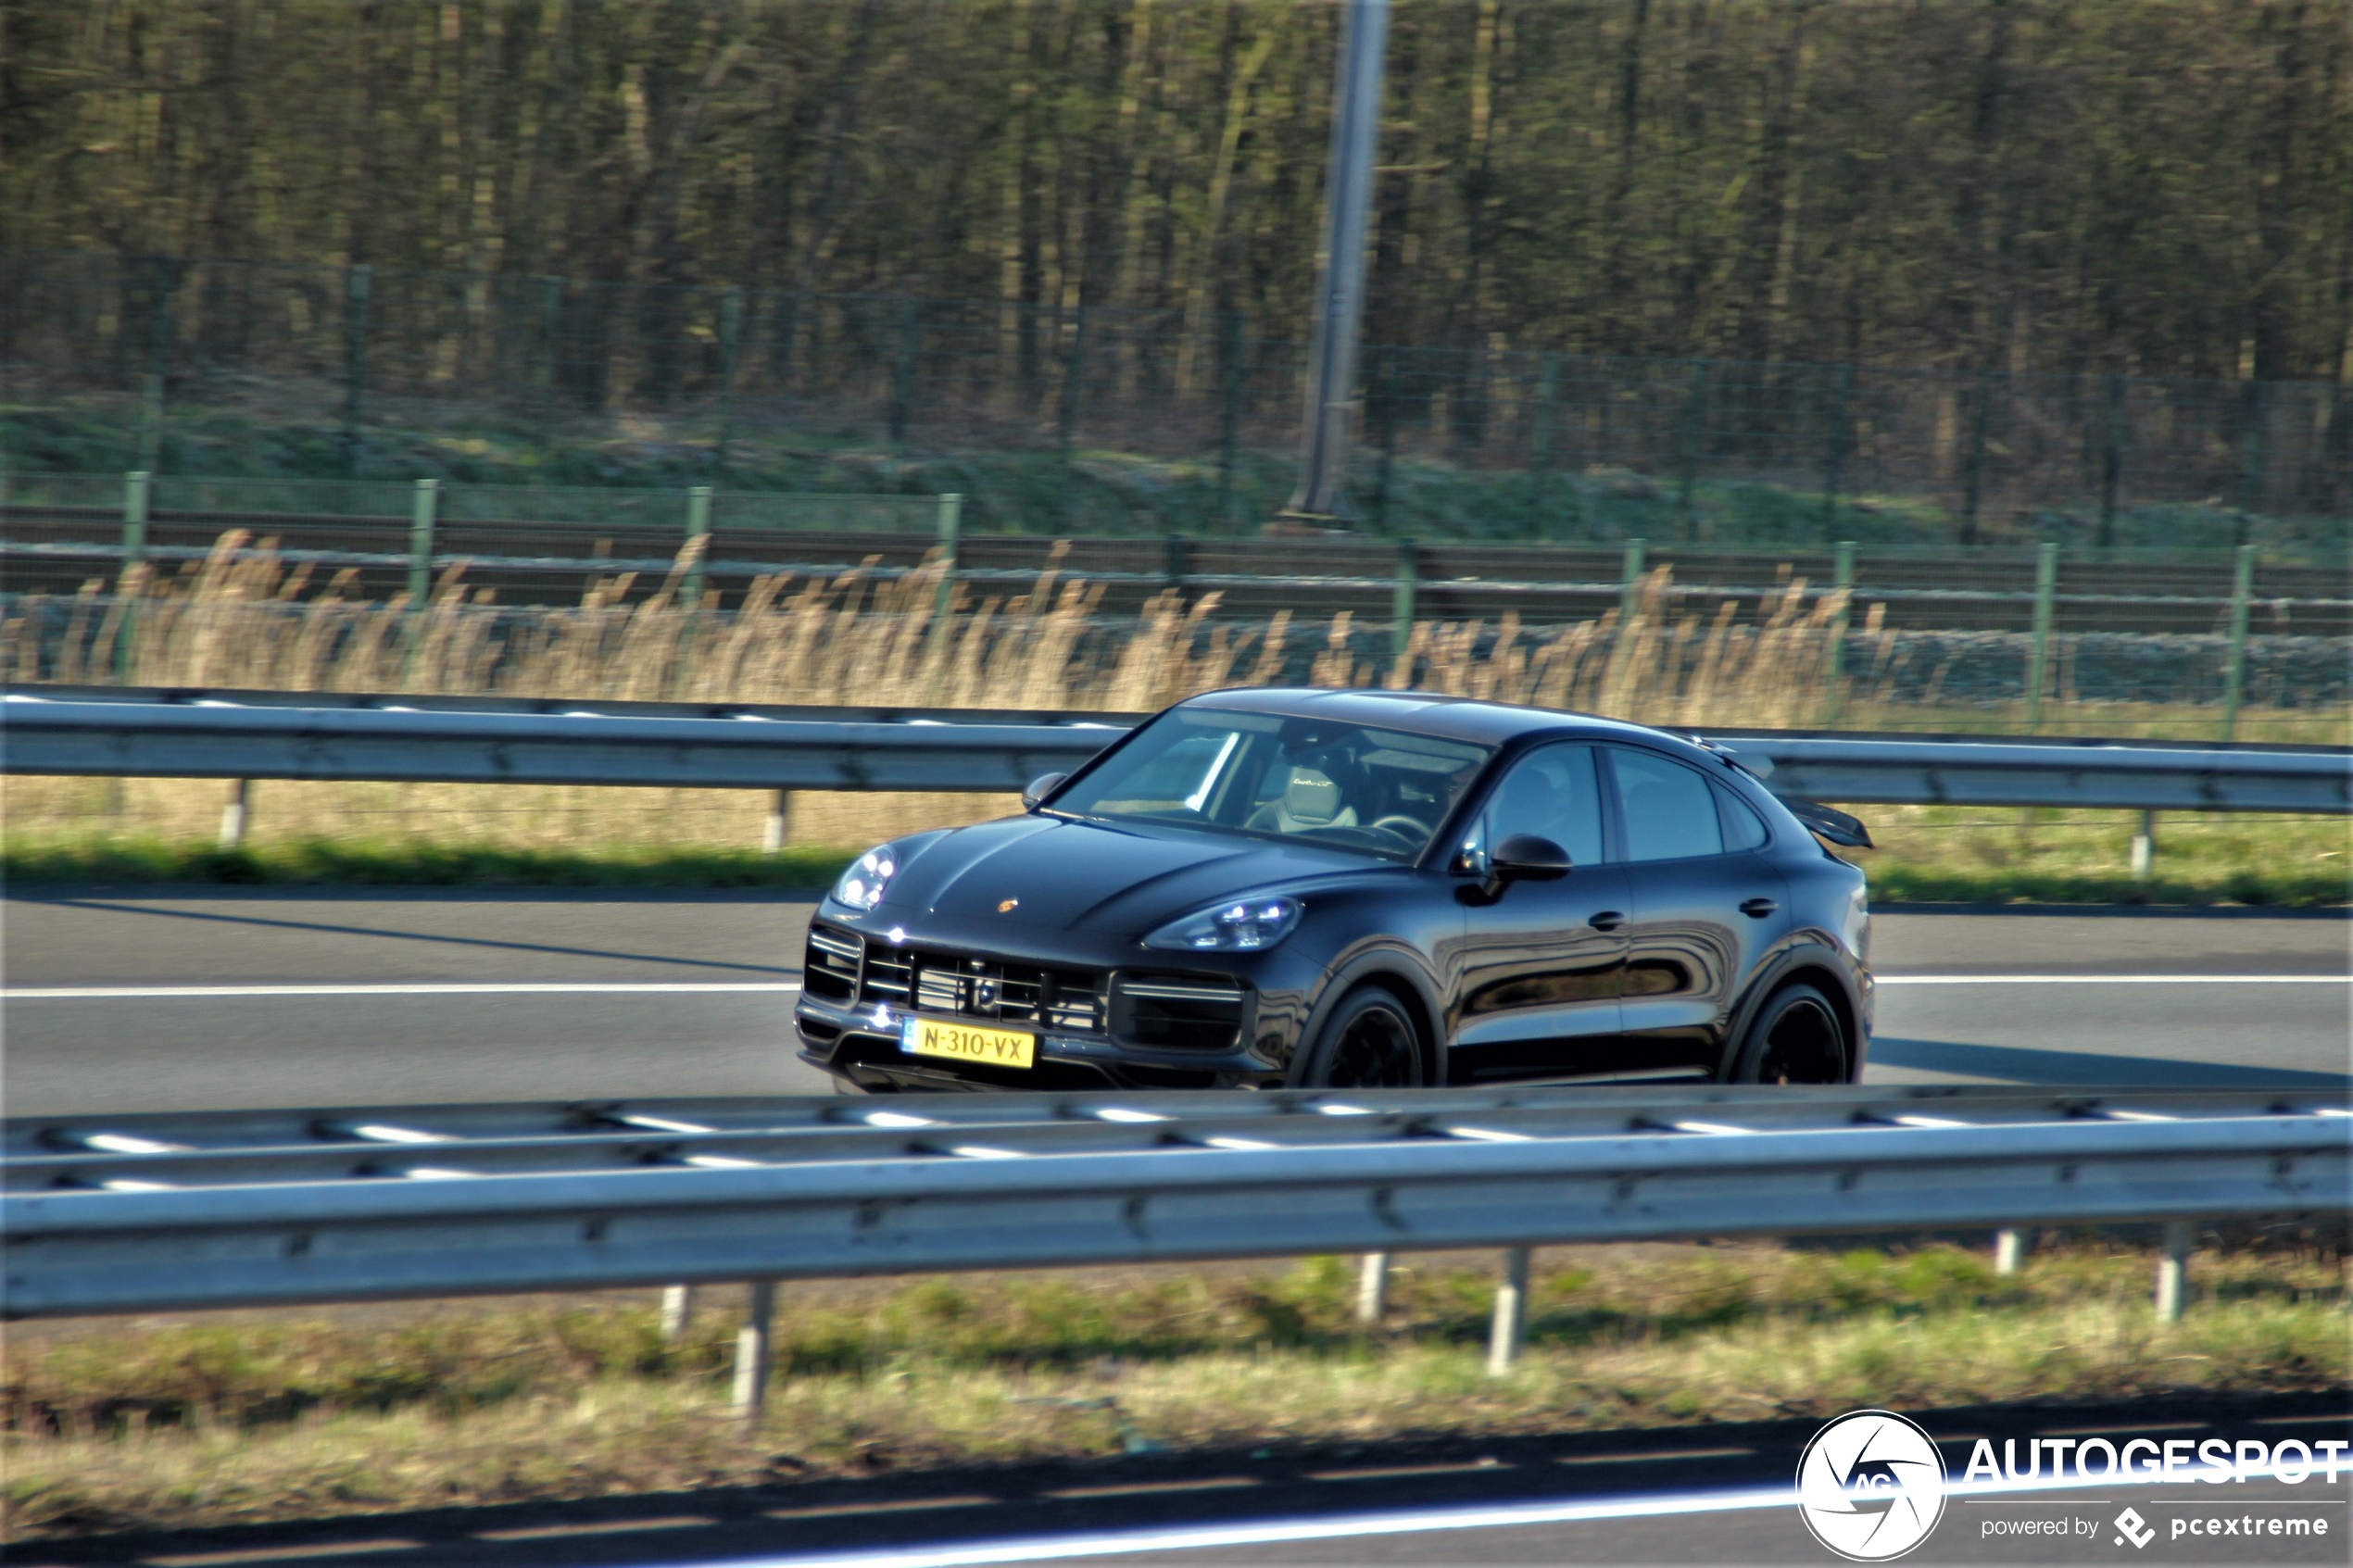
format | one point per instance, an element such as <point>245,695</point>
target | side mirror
<point>1523,857</point>
<point>1039,787</point>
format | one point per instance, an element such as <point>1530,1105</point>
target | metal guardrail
<point>146,734</point>
<point>177,1212</point>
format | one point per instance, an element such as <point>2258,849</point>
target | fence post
<point>2112,459</point>
<point>1385,394</point>
<point>137,486</point>
<point>1401,634</point>
<point>552,309</point>
<point>731,329</point>
<point>952,513</point>
<point>902,379</point>
<point>1074,373</point>
<point>1695,406</point>
<point>2234,666</point>
<point>1540,440</point>
<point>1173,564</point>
<point>2251,448</point>
<point>1973,467</point>
<point>2173,1270</point>
<point>356,286</point>
<point>1843,584</point>
<point>232,814</point>
<point>752,1350</point>
<point>697,546</point>
<point>1372,1288</point>
<point>2038,657</point>
<point>1834,454</point>
<point>1510,1314</point>
<point>1229,415</point>
<point>164,282</point>
<point>422,515</point>
<point>1630,593</point>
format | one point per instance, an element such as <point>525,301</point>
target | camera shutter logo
<point>1870,1485</point>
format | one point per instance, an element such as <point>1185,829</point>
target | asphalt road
<point>143,1000</point>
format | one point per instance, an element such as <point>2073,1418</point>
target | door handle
<point>1757,909</point>
<point>1608,919</point>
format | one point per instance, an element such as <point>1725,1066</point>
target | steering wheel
<point>1411,829</point>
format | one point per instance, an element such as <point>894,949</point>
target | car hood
<point>1058,873</point>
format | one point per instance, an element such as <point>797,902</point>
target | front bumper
<point>1106,1015</point>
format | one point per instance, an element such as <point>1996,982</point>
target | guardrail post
<point>2235,668</point>
<point>2038,657</point>
<point>1834,672</point>
<point>2173,1270</point>
<point>1510,1314</point>
<point>1540,438</point>
<point>2145,846</point>
<point>422,515</point>
<point>2010,1246</point>
<point>752,1349</point>
<point>1629,592</point>
<point>1372,1288</point>
<point>1400,633</point>
<point>678,1310</point>
<point>551,307</point>
<point>1173,564</point>
<point>779,823</point>
<point>232,815</point>
<point>698,545</point>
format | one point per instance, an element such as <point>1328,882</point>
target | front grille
<point>829,968</point>
<point>1180,1012</point>
<point>954,985</point>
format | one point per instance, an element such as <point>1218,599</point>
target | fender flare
<point>1803,952</point>
<point>1396,965</point>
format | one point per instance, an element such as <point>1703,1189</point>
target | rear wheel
<point>1368,1043</point>
<point>1796,1038</point>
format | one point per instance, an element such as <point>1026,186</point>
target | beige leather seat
<point>1311,800</point>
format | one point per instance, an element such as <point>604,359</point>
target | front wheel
<point>1368,1043</point>
<point>1796,1038</point>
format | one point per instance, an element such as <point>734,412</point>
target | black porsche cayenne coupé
<point>1350,888</point>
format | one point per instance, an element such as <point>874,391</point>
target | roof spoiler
<point>1834,826</point>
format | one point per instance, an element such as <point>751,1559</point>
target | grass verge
<point>1928,853</point>
<point>182,1425</point>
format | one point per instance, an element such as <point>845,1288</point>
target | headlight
<point>1243,924</point>
<point>861,886</point>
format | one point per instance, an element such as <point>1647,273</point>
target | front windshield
<point>1379,791</point>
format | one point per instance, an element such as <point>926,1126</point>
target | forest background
<point>2155,187</point>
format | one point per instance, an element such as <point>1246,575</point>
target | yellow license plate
<point>967,1042</point>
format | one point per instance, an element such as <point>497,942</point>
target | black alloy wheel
<point>1368,1044</point>
<point>1797,1038</point>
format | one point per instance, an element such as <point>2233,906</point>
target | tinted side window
<point>1552,794</point>
<point>1669,811</point>
<point>1744,829</point>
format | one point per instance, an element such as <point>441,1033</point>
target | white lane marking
<point>1202,1537</point>
<point>548,988</point>
<point>2116,980</point>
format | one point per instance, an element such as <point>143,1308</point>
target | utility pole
<point>1339,278</point>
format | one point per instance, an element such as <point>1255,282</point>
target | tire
<point>1370,1042</point>
<point>1796,1038</point>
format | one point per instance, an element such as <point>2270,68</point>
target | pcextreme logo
<point>1870,1485</point>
